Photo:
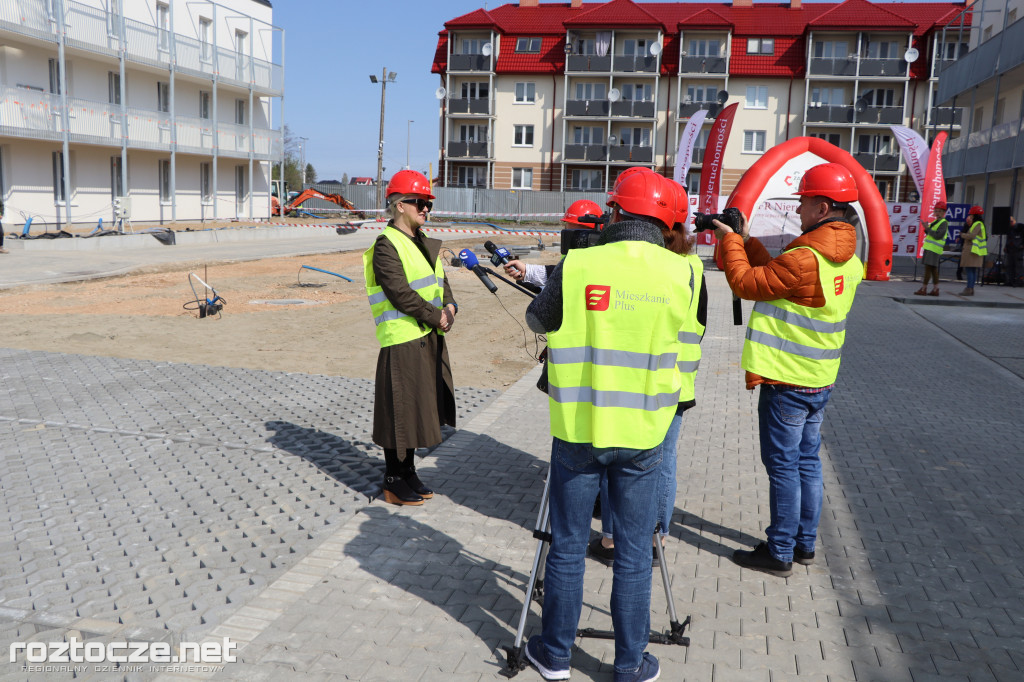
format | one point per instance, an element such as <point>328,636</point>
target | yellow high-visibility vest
<point>691,334</point>
<point>979,245</point>
<point>613,375</point>
<point>798,345</point>
<point>392,325</point>
<point>932,244</point>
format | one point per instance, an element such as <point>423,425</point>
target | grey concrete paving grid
<point>155,502</point>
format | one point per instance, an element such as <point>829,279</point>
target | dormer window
<point>760,46</point>
<point>528,45</point>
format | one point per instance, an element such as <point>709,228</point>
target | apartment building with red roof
<point>565,95</point>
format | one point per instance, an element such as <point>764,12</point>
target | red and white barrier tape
<point>529,233</point>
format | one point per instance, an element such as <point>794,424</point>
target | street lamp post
<point>385,78</point>
<point>302,159</point>
<point>407,138</point>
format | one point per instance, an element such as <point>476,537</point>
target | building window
<point>528,45</point>
<point>760,46</point>
<point>163,25</point>
<point>874,144</point>
<point>987,33</point>
<point>206,182</point>
<point>591,91</point>
<point>701,94</point>
<point>475,90</point>
<point>954,51</point>
<point>587,135</point>
<point>879,97</point>
<point>523,136</point>
<point>753,141</point>
<point>635,47</point>
<point>472,45</point>
<point>757,97</point>
<point>693,183</point>
<point>700,145</point>
<point>164,178</point>
<point>1011,16</point>
<point>583,180</point>
<point>526,93</point>
<point>831,49</point>
<point>205,33</point>
<point>586,46</point>
<point>115,177</point>
<point>828,97</point>
<point>240,112</point>
<point>55,76</point>
<point>470,176</point>
<point>472,133</point>
<point>163,96</point>
<point>522,178</point>
<point>635,137</point>
<point>240,188</point>
<point>883,189</point>
<point>59,196</point>
<point>637,92</point>
<point>705,48</point>
<point>113,87</point>
<point>831,138</point>
<point>978,122</point>
<point>204,104</point>
<point>884,50</point>
<point>113,25</point>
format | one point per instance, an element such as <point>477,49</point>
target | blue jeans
<point>633,486</point>
<point>667,496</point>
<point>790,434</point>
<point>972,276</point>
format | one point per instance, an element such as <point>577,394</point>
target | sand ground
<point>143,315</point>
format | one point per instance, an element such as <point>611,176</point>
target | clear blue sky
<point>332,47</point>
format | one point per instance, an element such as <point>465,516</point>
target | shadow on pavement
<point>347,462</point>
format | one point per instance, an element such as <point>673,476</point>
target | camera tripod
<point>515,654</point>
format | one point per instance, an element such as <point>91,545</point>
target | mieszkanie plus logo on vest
<point>598,298</point>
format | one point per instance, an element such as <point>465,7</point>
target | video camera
<point>582,237</point>
<point>731,217</point>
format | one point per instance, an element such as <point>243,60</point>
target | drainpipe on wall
<point>551,163</point>
<point>668,121</point>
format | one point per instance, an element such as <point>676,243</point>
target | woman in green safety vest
<point>934,243</point>
<point>412,308</point>
<point>975,248</point>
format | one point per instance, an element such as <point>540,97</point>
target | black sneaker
<point>760,559</point>
<point>595,550</point>
<point>803,557</point>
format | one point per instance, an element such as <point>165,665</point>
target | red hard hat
<point>830,180</point>
<point>682,202</point>
<point>645,194</point>
<point>976,210</point>
<point>941,205</point>
<point>581,208</point>
<point>409,182</point>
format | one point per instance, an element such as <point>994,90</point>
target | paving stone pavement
<point>150,485</point>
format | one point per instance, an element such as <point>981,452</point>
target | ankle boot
<point>921,292</point>
<point>415,484</point>
<point>397,491</point>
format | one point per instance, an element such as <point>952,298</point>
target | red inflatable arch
<point>876,215</point>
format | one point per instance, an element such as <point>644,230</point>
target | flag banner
<point>686,143</point>
<point>714,155</point>
<point>915,153</point>
<point>934,185</point>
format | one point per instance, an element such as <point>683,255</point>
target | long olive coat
<point>968,259</point>
<point>414,392</point>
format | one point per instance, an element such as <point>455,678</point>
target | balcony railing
<point>829,114</point>
<point>844,66</point>
<point>99,32</point>
<point>688,109</point>
<point>586,152</point>
<point>848,66</point>
<point>890,68</point>
<point>469,106</point>
<point>37,115</point>
<point>588,63</point>
<point>888,163</point>
<point>467,149</point>
<point>581,107</point>
<point>629,63</point>
<point>702,64</point>
<point>944,116</point>
<point>630,109</point>
<point>469,62</point>
<point>881,115</point>
<point>633,154</point>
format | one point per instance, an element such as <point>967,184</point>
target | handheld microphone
<point>499,254</point>
<point>471,262</point>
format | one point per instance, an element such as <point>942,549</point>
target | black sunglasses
<point>420,203</point>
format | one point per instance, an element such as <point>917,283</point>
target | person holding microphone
<point>412,307</point>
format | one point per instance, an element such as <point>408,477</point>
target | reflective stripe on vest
<point>692,333</point>
<point>979,245</point>
<point>931,243</point>
<point>800,345</point>
<point>392,325</point>
<point>613,377</point>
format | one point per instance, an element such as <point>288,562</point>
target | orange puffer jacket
<point>755,276</point>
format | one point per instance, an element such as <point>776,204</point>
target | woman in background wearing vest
<point>975,248</point>
<point>412,308</point>
<point>934,243</point>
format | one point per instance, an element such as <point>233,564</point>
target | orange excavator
<point>310,193</point>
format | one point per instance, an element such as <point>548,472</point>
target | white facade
<point>165,102</point>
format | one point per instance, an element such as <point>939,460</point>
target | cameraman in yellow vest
<point>614,314</point>
<point>793,346</point>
